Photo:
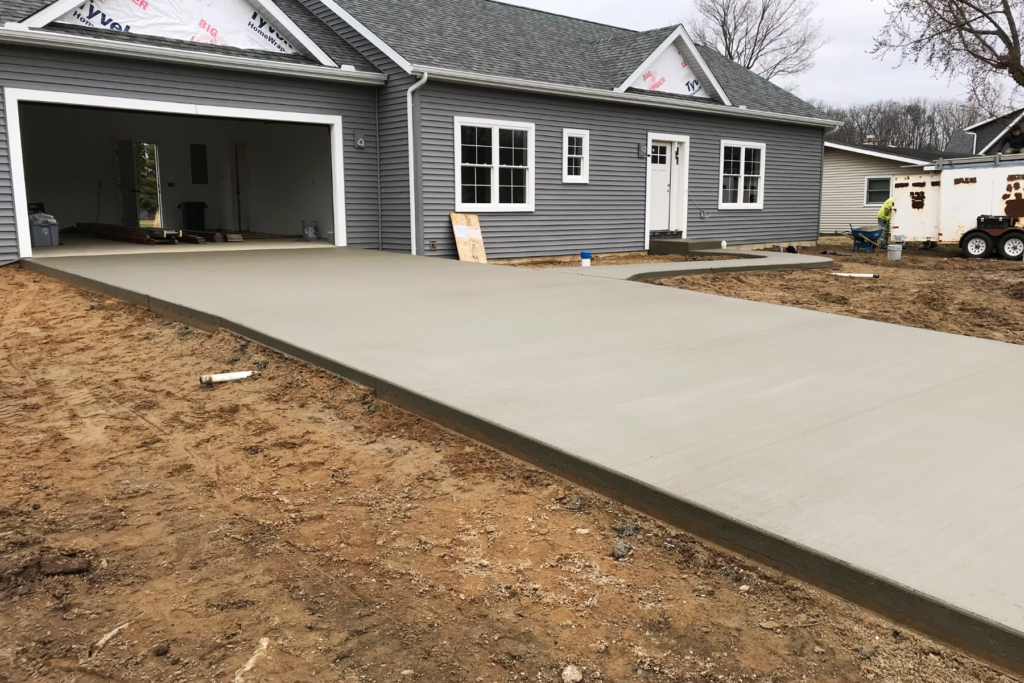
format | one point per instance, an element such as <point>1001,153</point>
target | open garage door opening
<point>117,179</point>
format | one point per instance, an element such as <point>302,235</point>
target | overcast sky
<point>844,73</point>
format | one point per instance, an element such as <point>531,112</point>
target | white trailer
<point>943,204</point>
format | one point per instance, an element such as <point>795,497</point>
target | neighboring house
<point>1001,134</point>
<point>859,179</point>
<point>380,117</point>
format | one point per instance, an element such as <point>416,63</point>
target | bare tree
<point>913,124</point>
<point>979,39</point>
<point>773,38</point>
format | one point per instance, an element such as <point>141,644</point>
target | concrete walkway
<point>740,261</point>
<point>882,462</point>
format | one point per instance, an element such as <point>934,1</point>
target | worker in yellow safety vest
<point>885,215</point>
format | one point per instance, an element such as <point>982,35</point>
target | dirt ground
<point>936,289</point>
<point>617,260</point>
<point>292,529</point>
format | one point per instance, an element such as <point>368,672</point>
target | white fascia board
<point>379,43</point>
<point>704,66</point>
<point>1000,136</point>
<point>557,90</point>
<point>160,53</point>
<point>284,24</point>
<point>880,155</point>
<point>678,34</point>
<point>46,15</point>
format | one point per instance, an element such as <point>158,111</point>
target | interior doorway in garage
<point>102,171</point>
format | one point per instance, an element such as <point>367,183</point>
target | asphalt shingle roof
<point>960,142</point>
<point>19,10</point>
<point>330,42</point>
<point>497,39</point>
<point>744,87</point>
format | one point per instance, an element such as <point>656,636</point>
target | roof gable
<point>677,68</point>
<point>994,130</point>
<point>252,25</point>
<point>235,23</point>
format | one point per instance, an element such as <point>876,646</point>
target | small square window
<point>878,190</point>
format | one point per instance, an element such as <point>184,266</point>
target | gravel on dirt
<point>277,530</point>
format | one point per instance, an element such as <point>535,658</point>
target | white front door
<point>661,186</point>
<point>666,190</point>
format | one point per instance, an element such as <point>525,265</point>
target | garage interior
<point>107,176</point>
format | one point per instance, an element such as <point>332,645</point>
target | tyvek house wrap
<point>670,72</point>
<point>220,22</point>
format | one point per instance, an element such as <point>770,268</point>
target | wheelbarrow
<point>867,239</point>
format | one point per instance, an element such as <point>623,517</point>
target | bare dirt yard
<point>936,289</point>
<point>294,529</point>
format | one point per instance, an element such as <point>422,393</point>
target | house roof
<point>325,38</point>
<point>961,142</point>
<point>903,154</point>
<point>476,36</point>
<point>19,10</point>
<point>988,132</point>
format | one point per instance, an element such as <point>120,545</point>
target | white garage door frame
<point>15,96</point>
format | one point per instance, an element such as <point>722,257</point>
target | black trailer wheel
<point>1011,247</point>
<point>978,245</point>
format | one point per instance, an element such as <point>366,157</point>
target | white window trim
<point>721,174</point>
<point>577,179</point>
<point>868,179</point>
<point>531,172</point>
<point>13,97</point>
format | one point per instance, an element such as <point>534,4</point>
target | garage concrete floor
<point>87,245</point>
<point>883,462</point>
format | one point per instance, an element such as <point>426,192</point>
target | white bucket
<point>895,252</point>
<point>585,258</point>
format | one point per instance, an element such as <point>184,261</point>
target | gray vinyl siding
<point>844,188</point>
<point>8,230</point>
<point>987,133</point>
<point>393,128</point>
<point>40,69</point>
<point>608,214</point>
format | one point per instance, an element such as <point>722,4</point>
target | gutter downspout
<point>380,206</point>
<point>412,160</point>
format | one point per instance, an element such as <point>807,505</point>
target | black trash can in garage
<point>193,216</point>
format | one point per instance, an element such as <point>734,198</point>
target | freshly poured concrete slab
<point>879,460</point>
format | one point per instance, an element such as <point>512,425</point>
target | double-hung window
<point>575,156</point>
<point>742,185</point>
<point>494,166</point>
<point>877,190</point>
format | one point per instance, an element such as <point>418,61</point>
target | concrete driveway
<point>883,462</point>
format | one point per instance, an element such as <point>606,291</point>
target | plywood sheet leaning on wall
<point>468,237</point>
